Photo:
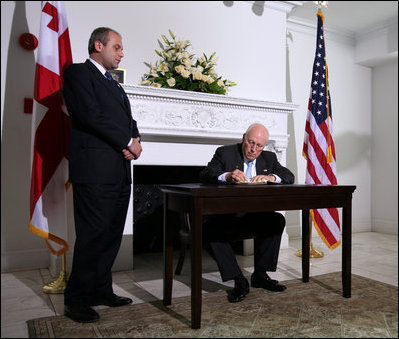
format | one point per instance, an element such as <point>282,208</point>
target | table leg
<point>167,255</point>
<point>196,270</point>
<point>346,250</point>
<point>305,245</point>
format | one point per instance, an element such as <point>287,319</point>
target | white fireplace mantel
<point>176,116</point>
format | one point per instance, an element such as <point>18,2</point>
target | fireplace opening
<point>148,203</point>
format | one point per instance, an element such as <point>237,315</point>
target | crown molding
<point>379,29</point>
<point>282,6</point>
<point>296,24</point>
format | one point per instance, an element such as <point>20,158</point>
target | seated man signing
<point>246,162</point>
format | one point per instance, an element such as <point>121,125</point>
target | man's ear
<point>98,46</point>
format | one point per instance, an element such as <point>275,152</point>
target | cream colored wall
<point>384,149</point>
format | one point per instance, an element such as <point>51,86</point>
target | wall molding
<point>339,35</point>
<point>169,115</point>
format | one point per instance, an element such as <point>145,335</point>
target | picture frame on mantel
<point>119,75</point>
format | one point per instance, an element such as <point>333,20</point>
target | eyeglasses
<point>253,144</point>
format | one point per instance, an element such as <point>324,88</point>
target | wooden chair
<point>184,236</point>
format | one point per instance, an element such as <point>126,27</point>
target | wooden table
<point>198,200</point>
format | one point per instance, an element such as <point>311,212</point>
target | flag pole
<point>313,253</point>
<point>58,286</point>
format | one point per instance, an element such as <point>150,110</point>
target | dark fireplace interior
<point>148,203</point>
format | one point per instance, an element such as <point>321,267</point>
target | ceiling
<point>350,17</point>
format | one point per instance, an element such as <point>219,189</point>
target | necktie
<point>114,84</point>
<point>109,76</point>
<point>248,172</point>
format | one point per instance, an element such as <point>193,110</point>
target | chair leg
<point>184,234</point>
<point>182,256</point>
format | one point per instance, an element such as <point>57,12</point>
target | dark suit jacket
<point>102,125</point>
<point>228,158</point>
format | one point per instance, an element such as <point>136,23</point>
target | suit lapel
<point>109,85</point>
<point>239,157</point>
<point>260,165</point>
<point>263,165</point>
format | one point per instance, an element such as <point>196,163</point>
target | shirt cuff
<point>130,142</point>
<point>222,177</point>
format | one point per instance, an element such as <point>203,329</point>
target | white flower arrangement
<point>180,70</point>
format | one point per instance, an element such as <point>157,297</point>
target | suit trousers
<point>265,228</point>
<point>100,214</point>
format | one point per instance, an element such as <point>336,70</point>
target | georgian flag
<point>50,131</point>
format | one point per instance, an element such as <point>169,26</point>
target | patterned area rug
<point>314,309</point>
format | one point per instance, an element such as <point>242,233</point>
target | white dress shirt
<point>222,177</point>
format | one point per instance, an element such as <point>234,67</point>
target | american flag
<point>50,131</point>
<point>318,147</point>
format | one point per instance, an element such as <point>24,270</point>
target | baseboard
<point>22,260</point>
<point>385,226</point>
<point>124,259</point>
<point>42,258</point>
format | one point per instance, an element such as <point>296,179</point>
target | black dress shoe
<point>240,290</point>
<point>264,281</point>
<point>81,313</point>
<point>112,301</point>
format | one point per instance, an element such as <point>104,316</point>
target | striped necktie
<point>108,75</point>
<point>114,84</point>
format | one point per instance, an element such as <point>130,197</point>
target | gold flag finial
<point>321,3</point>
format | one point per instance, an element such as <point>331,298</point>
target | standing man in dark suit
<point>104,139</point>
<point>238,163</point>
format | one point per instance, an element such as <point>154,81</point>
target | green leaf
<point>161,44</point>
<point>165,39</point>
